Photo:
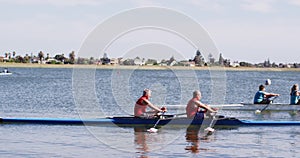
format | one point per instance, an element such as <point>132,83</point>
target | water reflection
<point>193,138</point>
<point>140,141</point>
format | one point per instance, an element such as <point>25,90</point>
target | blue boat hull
<point>133,121</point>
<point>54,121</point>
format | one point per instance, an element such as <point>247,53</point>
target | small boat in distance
<point>5,72</point>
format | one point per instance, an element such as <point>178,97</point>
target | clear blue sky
<point>244,30</point>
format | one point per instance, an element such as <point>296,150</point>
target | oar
<point>259,111</point>
<point>209,129</point>
<point>153,129</point>
<point>180,114</point>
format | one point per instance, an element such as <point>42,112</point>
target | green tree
<point>27,58</point>
<point>41,56</point>
<point>60,57</point>
<point>19,59</point>
<point>198,59</point>
<point>72,57</point>
<point>105,60</point>
<point>48,56</point>
<point>221,59</point>
<point>92,60</point>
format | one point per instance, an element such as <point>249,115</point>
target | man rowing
<point>295,95</point>
<point>195,109</point>
<point>142,104</point>
<point>262,97</point>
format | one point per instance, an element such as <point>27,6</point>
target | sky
<point>242,30</point>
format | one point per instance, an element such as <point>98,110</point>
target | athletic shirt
<point>259,97</point>
<point>192,108</point>
<point>140,106</point>
<point>294,98</point>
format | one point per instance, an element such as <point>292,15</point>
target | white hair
<point>146,92</point>
<point>196,92</point>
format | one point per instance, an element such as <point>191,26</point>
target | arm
<point>199,104</point>
<point>271,95</point>
<point>153,106</point>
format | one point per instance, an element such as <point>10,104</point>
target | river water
<point>91,93</point>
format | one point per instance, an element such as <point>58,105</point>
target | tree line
<point>39,58</point>
<point>197,60</point>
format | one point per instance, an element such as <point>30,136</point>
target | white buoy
<point>268,82</point>
<point>257,111</point>
<point>152,130</point>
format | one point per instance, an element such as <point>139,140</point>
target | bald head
<point>196,93</point>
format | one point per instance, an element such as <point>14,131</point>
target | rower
<point>142,104</point>
<point>295,95</point>
<point>262,97</point>
<point>196,109</point>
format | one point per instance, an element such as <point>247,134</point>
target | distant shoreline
<point>22,65</point>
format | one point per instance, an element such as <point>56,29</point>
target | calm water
<point>85,93</point>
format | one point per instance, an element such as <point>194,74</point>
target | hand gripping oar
<point>153,129</point>
<point>259,111</point>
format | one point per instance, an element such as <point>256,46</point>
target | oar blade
<point>209,130</point>
<point>152,130</point>
<point>257,111</point>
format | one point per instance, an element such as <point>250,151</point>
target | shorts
<point>199,115</point>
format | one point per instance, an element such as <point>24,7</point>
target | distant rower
<point>295,95</point>
<point>262,97</point>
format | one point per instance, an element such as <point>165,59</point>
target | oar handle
<point>158,119</point>
<point>271,100</point>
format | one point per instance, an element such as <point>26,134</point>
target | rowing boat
<point>5,73</point>
<point>247,107</point>
<point>134,121</point>
<point>271,107</point>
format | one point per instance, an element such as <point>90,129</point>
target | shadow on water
<point>194,137</point>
